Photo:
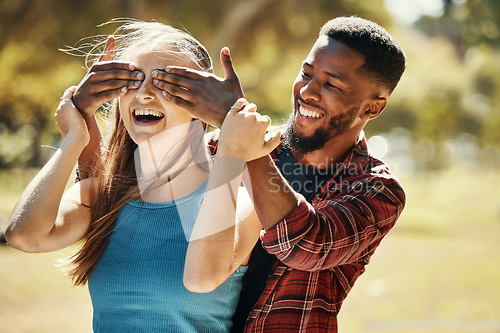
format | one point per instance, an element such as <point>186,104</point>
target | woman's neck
<point>182,178</point>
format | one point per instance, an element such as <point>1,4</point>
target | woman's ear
<point>375,107</point>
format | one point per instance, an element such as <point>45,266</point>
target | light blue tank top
<point>137,283</point>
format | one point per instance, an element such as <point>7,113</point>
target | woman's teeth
<point>145,115</point>
<point>153,113</point>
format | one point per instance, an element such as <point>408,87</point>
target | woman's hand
<point>69,120</point>
<point>243,133</point>
<point>106,80</point>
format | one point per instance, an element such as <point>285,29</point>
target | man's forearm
<point>91,153</point>
<point>273,197</point>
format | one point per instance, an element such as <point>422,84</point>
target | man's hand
<point>105,81</point>
<point>205,95</point>
<point>243,133</point>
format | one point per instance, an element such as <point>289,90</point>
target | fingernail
<point>154,73</point>
<point>137,83</point>
<point>164,93</point>
<point>124,89</point>
<point>139,75</point>
<point>167,69</point>
<point>156,81</point>
<point>131,66</point>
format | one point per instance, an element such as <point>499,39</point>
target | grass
<point>439,264</point>
<point>35,297</point>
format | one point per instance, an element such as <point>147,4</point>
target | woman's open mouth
<point>147,116</point>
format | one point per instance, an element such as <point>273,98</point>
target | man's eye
<point>304,74</point>
<point>332,86</point>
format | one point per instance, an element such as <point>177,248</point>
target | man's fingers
<point>227,64</point>
<point>101,86</point>
<point>109,49</point>
<point>113,65</point>
<point>171,89</point>
<point>111,94</point>
<point>229,72</point>
<point>115,75</point>
<point>172,73</point>
<point>185,104</point>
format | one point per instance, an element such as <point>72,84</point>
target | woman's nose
<point>146,90</point>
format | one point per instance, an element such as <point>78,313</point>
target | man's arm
<point>336,231</point>
<point>105,80</point>
<point>273,197</point>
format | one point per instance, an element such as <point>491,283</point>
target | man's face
<point>328,95</point>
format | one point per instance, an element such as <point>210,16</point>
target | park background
<point>440,134</point>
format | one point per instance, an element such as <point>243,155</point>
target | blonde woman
<point>165,230</point>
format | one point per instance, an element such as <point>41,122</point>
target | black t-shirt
<point>305,180</point>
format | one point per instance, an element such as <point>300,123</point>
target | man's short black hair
<point>385,59</point>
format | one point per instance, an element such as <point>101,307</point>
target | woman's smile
<point>147,116</point>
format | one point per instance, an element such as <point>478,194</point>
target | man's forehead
<point>328,53</point>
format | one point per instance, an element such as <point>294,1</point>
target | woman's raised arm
<point>43,220</point>
<point>227,227</point>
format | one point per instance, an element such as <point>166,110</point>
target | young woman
<point>165,229</point>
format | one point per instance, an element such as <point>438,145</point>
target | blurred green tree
<point>451,85</point>
<point>268,39</point>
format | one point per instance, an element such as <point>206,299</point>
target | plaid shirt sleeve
<point>340,228</point>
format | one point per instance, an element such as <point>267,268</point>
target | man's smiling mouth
<point>304,109</point>
<point>309,113</point>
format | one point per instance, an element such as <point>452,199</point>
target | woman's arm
<point>41,221</point>
<point>227,227</point>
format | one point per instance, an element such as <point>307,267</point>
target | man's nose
<point>311,90</point>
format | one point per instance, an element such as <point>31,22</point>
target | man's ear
<point>375,108</point>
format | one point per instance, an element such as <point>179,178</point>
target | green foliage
<point>30,85</point>
<point>451,85</point>
<point>447,89</point>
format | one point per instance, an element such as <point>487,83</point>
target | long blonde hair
<point>114,181</point>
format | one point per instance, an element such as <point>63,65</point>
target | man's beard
<point>336,126</point>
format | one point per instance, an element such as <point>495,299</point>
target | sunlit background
<point>440,134</point>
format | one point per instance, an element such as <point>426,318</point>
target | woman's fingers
<point>244,133</point>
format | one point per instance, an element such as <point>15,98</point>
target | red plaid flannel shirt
<point>323,246</point>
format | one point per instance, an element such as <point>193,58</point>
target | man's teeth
<point>147,112</point>
<point>308,113</point>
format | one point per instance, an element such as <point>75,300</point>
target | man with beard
<point>325,203</point>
